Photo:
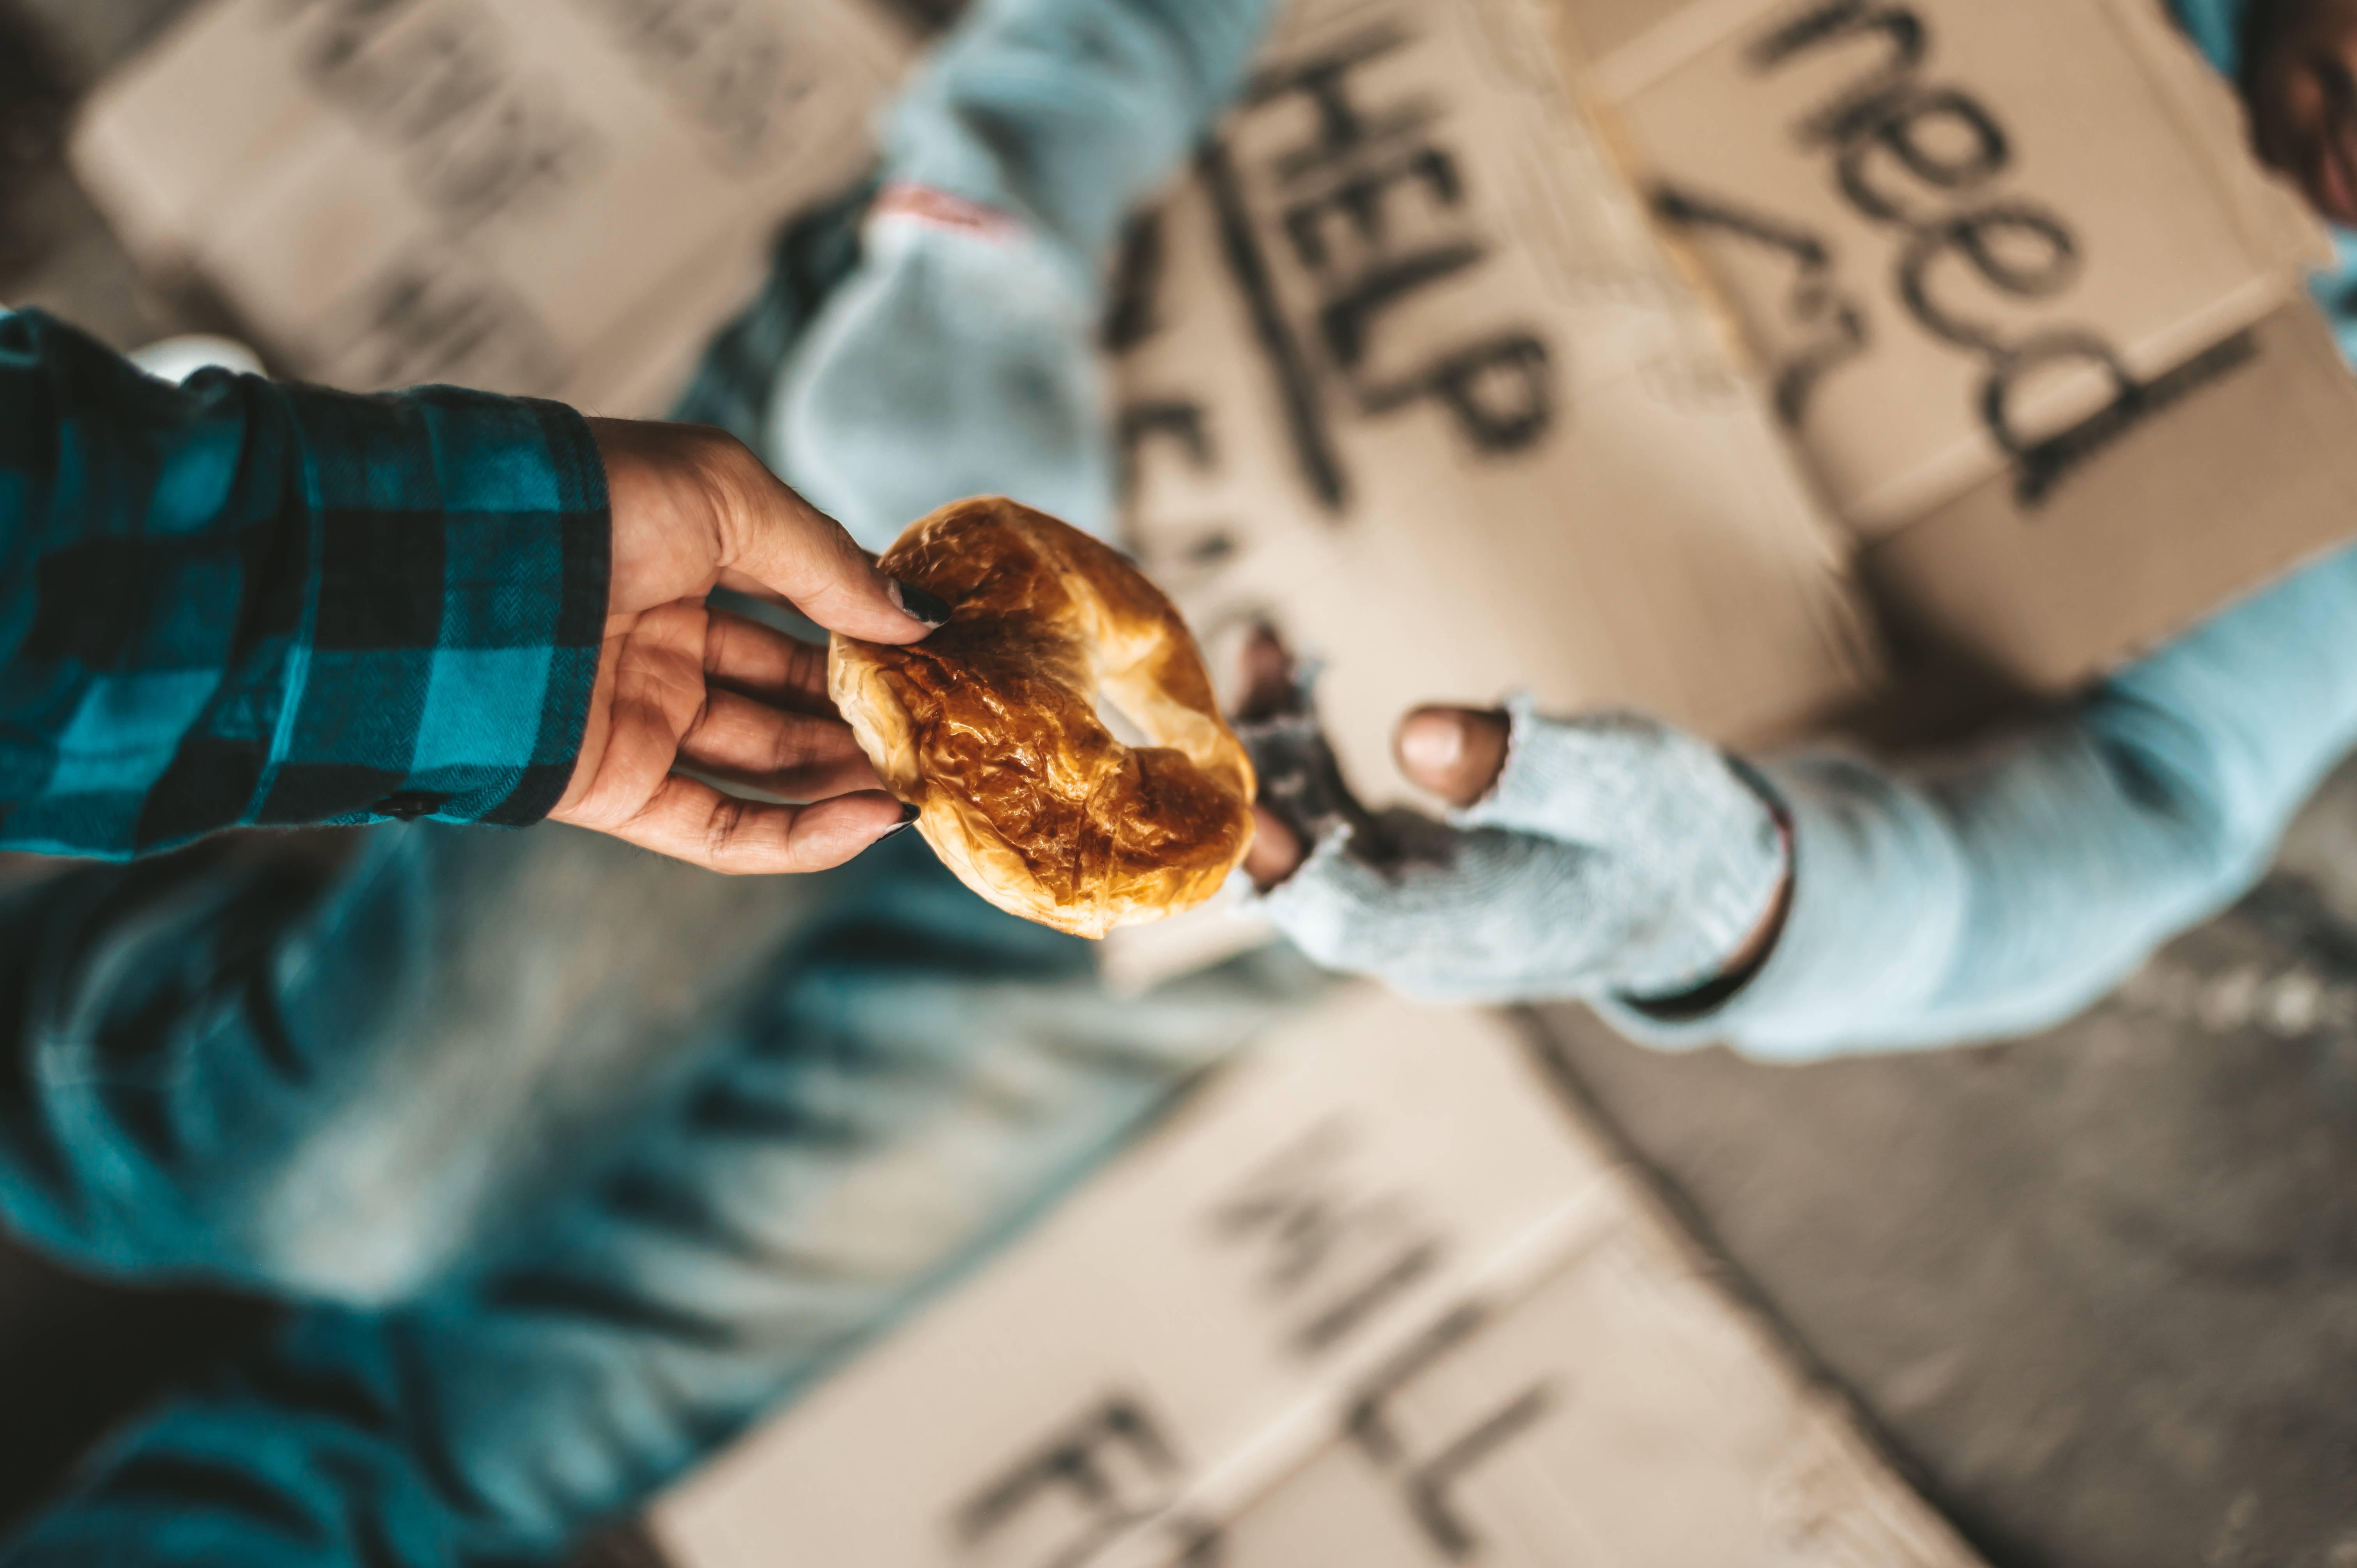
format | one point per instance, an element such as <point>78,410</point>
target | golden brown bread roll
<point>990,727</point>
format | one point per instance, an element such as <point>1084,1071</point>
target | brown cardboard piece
<point>2229,489</point>
<point>2033,313</point>
<point>1376,1297</point>
<point>1415,380</point>
<point>2017,199</point>
<point>1674,272</point>
<point>562,198</point>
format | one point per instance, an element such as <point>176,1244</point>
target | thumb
<point>1616,781</point>
<point>779,544</point>
<point>1454,752</point>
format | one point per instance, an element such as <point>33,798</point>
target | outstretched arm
<point>1990,894</point>
<point>1961,898</point>
<point>235,602</point>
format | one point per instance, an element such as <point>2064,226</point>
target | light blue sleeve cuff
<point>1879,896</point>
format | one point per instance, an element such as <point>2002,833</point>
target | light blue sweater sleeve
<point>1993,894</point>
<point>1069,115</point>
<point>1990,894</point>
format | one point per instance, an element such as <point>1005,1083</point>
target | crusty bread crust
<point>990,727</point>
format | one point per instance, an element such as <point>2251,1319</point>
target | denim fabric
<point>600,1156</point>
<point>961,354</point>
<point>235,602</point>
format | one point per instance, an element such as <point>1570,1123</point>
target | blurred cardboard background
<point>2097,1287</point>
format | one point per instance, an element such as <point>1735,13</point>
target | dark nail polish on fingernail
<point>930,609</point>
<point>909,815</point>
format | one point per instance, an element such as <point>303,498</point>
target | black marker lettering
<point>1906,41</point>
<point>1835,322</point>
<point>2017,249</point>
<point>1502,393</point>
<point>1136,312</point>
<point>1348,323</point>
<point>1342,129</point>
<point>1430,1482</point>
<point>2044,464</point>
<point>1360,197</point>
<point>1331,1254</point>
<point>1904,134</point>
<point>1296,384</point>
<point>1180,424</point>
<point>1949,144</point>
<point>1114,1469</point>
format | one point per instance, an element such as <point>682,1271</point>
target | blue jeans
<point>580,1159</point>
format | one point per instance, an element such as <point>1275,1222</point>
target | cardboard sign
<point>1371,1298</point>
<point>561,197</point>
<point>2201,501</point>
<point>1407,371</point>
<point>1423,376</point>
<point>2024,298</point>
<point>1955,231</point>
<point>1600,347</point>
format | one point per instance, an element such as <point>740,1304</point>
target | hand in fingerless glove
<point>1613,856</point>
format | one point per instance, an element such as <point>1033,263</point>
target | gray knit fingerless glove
<point>1615,856</point>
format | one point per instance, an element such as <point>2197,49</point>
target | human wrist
<point>1744,964</point>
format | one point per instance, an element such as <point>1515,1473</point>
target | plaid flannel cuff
<point>462,546</point>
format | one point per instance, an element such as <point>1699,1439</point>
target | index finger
<point>689,820</point>
<point>790,547</point>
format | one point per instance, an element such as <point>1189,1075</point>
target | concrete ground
<point>2098,1289</point>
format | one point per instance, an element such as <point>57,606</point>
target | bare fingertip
<point>1432,744</point>
<point>1276,852</point>
<point>1455,753</point>
<point>1267,670</point>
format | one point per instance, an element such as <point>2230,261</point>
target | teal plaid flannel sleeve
<point>240,602</point>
